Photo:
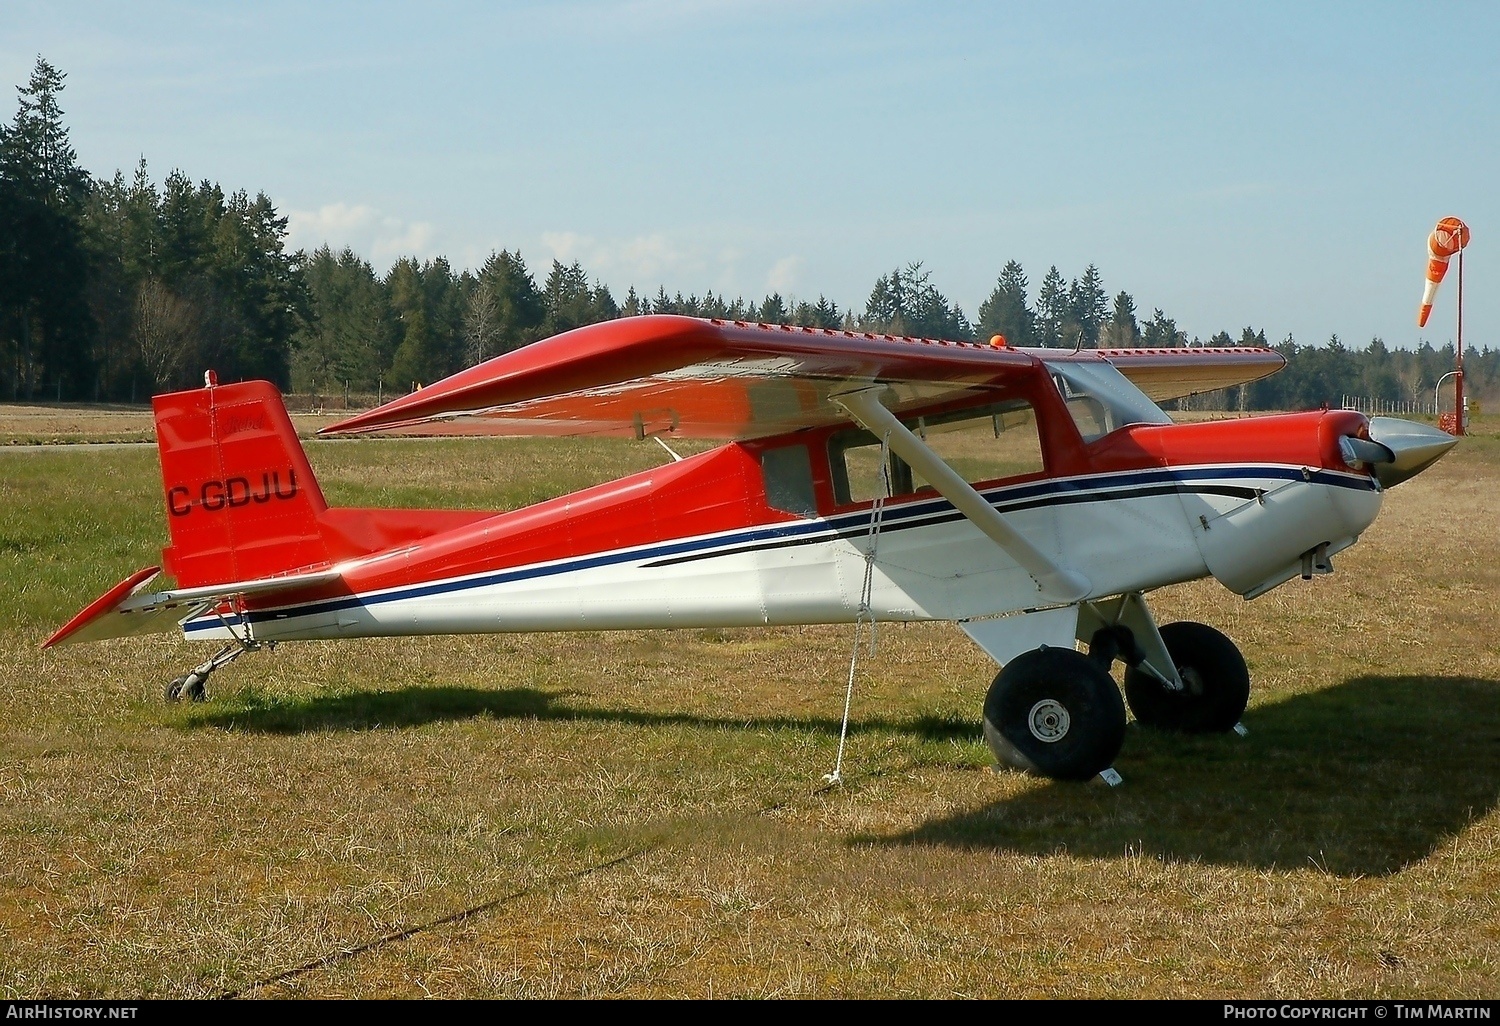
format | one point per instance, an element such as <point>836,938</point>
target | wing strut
<point>1057,583</point>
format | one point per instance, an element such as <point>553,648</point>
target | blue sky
<point>1270,164</point>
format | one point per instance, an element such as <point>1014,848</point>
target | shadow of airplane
<point>414,706</point>
<point>1356,780</point>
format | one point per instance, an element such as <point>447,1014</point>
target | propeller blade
<point>1414,447</point>
<point>1358,452</point>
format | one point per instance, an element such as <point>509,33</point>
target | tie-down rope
<point>872,541</point>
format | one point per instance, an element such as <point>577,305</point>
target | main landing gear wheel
<point>1216,684</point>
<point>1054,712</point>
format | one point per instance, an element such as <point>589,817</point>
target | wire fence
<point>1366,404</point>
<point>335,400</point>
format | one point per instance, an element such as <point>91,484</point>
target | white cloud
<point>783,274</point>
<point>369,232</point>
<point>687,263</point>
<point>643,259</point>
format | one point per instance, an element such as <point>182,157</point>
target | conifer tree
<point>1090,305</point>
<point>1121,331</point>
<point>1161,332</point>
<point>1006,312</point>
<point>905,302</point>
<point>45,322</point>
<point>1051,308</point>
<point>519,306</point>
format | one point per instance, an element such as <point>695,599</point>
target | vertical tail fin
<point>242,502</point>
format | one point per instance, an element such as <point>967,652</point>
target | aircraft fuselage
<point>702,542</point>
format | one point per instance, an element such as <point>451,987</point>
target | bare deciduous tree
<point>481,324</point>
<point>165,328</point>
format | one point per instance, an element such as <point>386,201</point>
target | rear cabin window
<point>789,483</point>
<point>988,443</point>
<point>1100,399</point>
<point>1090,416</point>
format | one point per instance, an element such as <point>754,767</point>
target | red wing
<point>697,378</point>
<point>688,377</point>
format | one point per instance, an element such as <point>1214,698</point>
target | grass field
<point>642,814</point>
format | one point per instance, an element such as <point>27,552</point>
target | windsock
<point>1450,236</point>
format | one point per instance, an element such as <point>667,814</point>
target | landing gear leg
<point>193,685</point>
<point>1184,676</point>
<point>1216,684</point>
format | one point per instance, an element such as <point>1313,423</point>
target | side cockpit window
<point>986,443</point>
<point>1090,416</point>
<point>854,459</point>
<point>789,481</point>
<point>989,444</point>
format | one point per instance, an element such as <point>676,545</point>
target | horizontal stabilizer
<point>128,608</point>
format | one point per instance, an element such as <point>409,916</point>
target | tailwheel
<point>191,686</point>
<point>1216,684</point>
<point>1056,713</point>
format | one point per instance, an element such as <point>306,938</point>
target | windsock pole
<point>1448,239</point>
<point>1458,379</point>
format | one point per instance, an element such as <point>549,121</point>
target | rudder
<point>242,501</point>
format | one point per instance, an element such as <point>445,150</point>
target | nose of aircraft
<point>1413,447</point>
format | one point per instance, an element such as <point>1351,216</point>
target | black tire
<point>1217,683</point>
<point>173,691</point>
<point>1056,713</point>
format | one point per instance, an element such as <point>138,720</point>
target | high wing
<point>697,378</point>
<point>128,608</point>
<point>1173,373</point>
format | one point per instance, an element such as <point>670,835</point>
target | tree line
<point>117,288</point>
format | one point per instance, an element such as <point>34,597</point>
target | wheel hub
<point>1048,721</point>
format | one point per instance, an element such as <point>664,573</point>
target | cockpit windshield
<point>1101,399</point>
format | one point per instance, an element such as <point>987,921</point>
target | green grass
<point>643,813</point>
<point>73,523</point>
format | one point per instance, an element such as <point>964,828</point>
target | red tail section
<point>242,502</point>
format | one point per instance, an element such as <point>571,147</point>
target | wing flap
<point>128,608</point>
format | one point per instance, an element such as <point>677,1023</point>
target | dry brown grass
<point>642,814</point>
<point>23,424</point>
<point>64,423</point>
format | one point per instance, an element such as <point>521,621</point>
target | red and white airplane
<point>1032,497</point>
